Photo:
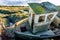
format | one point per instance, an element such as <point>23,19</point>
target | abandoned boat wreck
<point>37,25</point>
<point>40,18</point>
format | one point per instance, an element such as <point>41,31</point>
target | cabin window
<point>41,19</point>
<point>50,16</point>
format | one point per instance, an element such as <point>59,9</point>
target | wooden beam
<point>22,21</point>
<point>19,23</point>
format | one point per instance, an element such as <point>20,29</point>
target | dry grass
<point>13,8</point>
<point>8,10</point>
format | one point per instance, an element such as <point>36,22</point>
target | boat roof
<point>41,8</point>
<point>49,6</point>
<point>37,8</point>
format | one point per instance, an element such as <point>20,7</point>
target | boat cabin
<point>39,18</point>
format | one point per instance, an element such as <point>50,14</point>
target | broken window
<point>49,17</point>
<point>41,19</point>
